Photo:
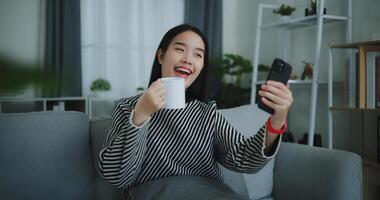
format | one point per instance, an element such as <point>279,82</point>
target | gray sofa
<point>53,155</point>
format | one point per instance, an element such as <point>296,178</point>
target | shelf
<point>316,22</point>
<point>17,105</point>
<point>354,109</point>
<point>305,21</point>
<point>41,99</point>
<point>295,82</point>
<point>371,163</point>
<point>355,45</point>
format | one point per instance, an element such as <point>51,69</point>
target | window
<point>119,40</point>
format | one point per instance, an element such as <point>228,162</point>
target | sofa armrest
<point>305,172</point>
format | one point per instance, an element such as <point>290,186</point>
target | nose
<point>186,59</point>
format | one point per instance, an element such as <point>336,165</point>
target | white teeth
<point>180,69</point>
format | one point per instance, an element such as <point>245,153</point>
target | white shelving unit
<point>93,106</point>
<point>11,105</point>
<point>317,20</point>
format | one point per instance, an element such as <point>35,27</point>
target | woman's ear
<point>160,56</point>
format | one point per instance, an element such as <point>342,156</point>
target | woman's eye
<point>179,49</point>
<point>198,55</point>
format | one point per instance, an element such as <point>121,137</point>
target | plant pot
<point>246,80</point>
<point>284,18</point>
<point>262,75</point>
<point>101,94</point>
<point>139,91</point>
<point>229,79</point>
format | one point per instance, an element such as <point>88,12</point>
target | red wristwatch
<point>272,130</point>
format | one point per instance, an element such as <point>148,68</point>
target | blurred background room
<point>85,55</point>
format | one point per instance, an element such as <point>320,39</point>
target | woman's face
<point>183,58</point>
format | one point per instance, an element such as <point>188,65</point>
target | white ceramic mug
<point>175,92</point>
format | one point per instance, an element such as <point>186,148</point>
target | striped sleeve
<point>239,153</point>
<point>124,147</point>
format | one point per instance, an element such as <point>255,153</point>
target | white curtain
<point>119,40</point>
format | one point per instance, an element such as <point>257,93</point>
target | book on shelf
<point>378,139</point>
<point>59,106</point>
<point>352,65</point>
<point>372,81</point>
<point>377,81</point>
<point>356,86</point>
<point>371,78</point>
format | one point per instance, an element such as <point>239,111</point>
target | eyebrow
<point>183,44</point>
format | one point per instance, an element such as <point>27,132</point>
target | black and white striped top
<point>188,141</point>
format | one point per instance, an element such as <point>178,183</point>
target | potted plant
<point>234,73</point>
<point>232,68</point>
<point>100,87</point>
<point>284,11</point>
<point>16,77</point>
<point>140,89</point>
<point>313,8</point>
<point>262,72</point>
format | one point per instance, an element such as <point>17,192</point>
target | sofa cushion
<point>98,129</point>
<point>248,119</point>
<point>45,155</point>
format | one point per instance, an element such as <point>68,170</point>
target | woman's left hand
<point>279,97</point>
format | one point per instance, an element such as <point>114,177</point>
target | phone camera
<point>281,66</point>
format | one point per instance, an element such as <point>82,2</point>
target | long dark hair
<point>197,90</point>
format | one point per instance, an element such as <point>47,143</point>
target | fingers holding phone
<point>277,96</point>
<point>281,91</point>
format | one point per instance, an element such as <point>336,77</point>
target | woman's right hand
<point>151,101</point>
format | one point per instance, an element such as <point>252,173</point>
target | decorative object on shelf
<point>378,140</point>
<point>313,8</point>
<point>100,87</point>
<point>284,11</point>
<point>288,137</point>
<point>140,90</point>
<point>317,139</point>
<point>307,71</point>
<point>377,82</point>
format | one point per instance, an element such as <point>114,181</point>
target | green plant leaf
<point>100,85</point>
<point>15,75</point>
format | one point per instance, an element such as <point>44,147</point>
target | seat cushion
<point>184,188</point>
<point>248,119</point>
<point>45,155</point>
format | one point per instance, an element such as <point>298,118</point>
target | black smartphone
<point>280,71</point>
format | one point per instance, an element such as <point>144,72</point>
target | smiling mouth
<point>183,72</point>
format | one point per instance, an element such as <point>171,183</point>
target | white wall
<point>239,29</point>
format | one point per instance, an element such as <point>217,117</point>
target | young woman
<point>148,144</point>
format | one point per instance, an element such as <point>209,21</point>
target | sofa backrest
<point>45,155</point>
<point>98,129</point>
